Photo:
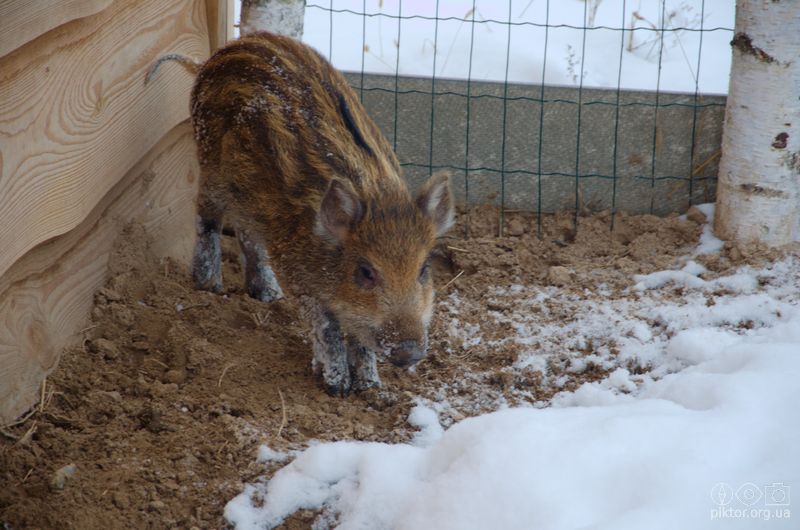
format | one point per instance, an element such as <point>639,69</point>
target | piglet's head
<point>382,290</point>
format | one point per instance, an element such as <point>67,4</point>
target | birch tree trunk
<point>758,193</point>
<point>284,17</point>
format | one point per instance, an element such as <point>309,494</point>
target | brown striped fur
<point>290,158</point>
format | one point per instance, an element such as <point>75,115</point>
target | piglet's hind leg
<point>260,282</point>
<point>207,260</point>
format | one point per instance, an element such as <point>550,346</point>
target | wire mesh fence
<point>628,130</point>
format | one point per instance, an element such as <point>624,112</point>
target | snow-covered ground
<point>706,437</point>
<point>372,43</point>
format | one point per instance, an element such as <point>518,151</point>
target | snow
<point>467,334</point>
<point>599,459</point>
<point>709,243</point>
<point>351,41</point>
<point>630,329</point>
<point>707,432</point>
<point>686,277</point>
<point>266,454</point>
<point>427,421</point>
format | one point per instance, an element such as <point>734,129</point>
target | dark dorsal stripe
<point>351,124</point>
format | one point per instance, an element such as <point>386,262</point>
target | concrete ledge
<point>655,169</point>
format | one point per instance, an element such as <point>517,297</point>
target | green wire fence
<point>540,147</point>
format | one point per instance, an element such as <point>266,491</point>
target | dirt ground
<point>163,405</point>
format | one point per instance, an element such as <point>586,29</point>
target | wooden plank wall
<point>24,21</point>
<point>78,133</point>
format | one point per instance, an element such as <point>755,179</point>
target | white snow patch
<point>427,421</point>
<point>533,362</point>
<point>467,334</point>
<point>713,418</point>
<point>266,454</point>
<point>709,243</point>
<point>686,277</point>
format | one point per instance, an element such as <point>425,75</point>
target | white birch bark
<point>284,17</point>
<point>758,193</point>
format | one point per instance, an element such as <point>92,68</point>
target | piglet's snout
<point>407,353</point>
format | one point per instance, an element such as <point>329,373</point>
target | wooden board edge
<point>221,17</point>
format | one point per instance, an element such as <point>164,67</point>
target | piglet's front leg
<point>363,367</point>
<point>330,352</point>
<point>260,282</point>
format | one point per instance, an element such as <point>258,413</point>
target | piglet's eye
<point>366,277</point>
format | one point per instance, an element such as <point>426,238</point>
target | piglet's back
<point>279,122</point>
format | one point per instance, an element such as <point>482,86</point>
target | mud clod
<point>105,347</point>
<point>61,476</point>
<point>696,215</point>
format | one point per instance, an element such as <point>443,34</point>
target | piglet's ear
<point>436,201</point>
<point>339,212</point>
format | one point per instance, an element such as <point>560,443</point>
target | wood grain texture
<point>220,14</point>
<point>23,21</point>
<point>46,296</point>
<point>75,115</point>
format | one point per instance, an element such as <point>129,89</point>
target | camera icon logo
<point>776,494</point>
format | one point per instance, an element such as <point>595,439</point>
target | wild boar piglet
<point>290,159</point>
